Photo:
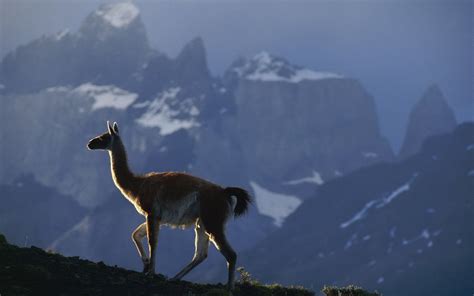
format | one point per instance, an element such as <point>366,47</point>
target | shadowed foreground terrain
<point>32,271</point>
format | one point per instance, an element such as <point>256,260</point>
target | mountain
<point>109,48</point>
<point>395,227</point>
<point>26,216</point>
<point>297,123</point>
<point>188,68</point>
<point>431,115</point>
<point>277,129</point>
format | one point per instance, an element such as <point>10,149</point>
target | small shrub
<point>246,277</point>
<point>350,290</point>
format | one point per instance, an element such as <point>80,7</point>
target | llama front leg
<point>152,231</point>
<point>137,237</point>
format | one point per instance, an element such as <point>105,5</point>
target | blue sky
<point>396,48</point>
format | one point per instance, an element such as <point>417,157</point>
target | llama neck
<point>123,178</point>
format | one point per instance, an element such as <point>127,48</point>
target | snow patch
<point>107,96</point>
<point>80,228</point>
<point>315,179</point>
<point>169,114</point>
<point>275,205</point>
<point>359,215</point>
<point>265,67</point>
<point>380,280</point>
<point>352,240</point>
<point>141,105</point>
<point>471,173</point>
<point>425,234</point>
<point>378,203</point>
<point>470,147</point>
<point>61,34</point>
<point>118,15</point>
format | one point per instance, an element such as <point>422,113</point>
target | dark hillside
<point>32,271</point>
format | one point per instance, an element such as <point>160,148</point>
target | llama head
<point>104,141</point>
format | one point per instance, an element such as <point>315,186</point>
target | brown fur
<point>176,199</point>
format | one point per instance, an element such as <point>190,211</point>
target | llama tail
<point>243,199</point>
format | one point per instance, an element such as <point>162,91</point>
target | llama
<point>174,199</point>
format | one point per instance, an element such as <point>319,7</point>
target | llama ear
<point>116,131</point>
<point>109,128</point>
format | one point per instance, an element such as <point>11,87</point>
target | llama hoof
<point>150,273</point>
<point>150,270</point>
<point>146,265</point>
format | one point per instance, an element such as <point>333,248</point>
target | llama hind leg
<point>137,236</point>
<point>152,231</point>
<point>201,246</point>
<point>220,241</point>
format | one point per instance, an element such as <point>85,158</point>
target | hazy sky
<point>396,48</point>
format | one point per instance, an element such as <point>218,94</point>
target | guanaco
<point>174,199</point>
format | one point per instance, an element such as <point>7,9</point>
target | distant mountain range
<point>280,130</point>
<point>402,228</point>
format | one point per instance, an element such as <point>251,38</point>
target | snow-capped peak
<point>265,67</point>
<point>118,14</point>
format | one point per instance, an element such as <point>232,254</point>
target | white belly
<point>181,213</point>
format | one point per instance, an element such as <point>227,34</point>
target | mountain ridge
<point>405,220</point>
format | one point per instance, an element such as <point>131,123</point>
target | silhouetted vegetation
<point>348,291</point>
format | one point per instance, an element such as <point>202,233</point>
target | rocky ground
<point>33,271</point>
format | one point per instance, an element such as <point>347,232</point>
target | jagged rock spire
<point>431,115</point>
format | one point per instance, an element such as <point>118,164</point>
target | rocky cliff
<point>296,122</point>
<point>431,115</point>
